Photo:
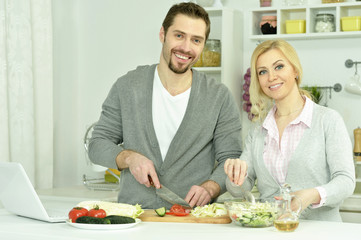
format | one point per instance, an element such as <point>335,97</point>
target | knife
<point>169,196</point>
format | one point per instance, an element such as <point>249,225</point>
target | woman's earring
<point>297,78</point>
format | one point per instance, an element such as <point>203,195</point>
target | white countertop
<point>79,192</point>
<point>13,227</point>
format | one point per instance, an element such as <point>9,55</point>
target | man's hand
<point>140,167</point>
<point>236,170</point>
<point>203,194</point>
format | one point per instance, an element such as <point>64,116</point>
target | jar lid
<point>213,43</point>
<point>324,15</point>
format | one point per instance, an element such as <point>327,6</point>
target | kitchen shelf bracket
<point>328,90</point>
<point>349,64</point>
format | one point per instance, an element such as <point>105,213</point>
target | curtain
<point>26,83</point>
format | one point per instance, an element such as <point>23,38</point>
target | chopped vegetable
<point>253,215</point>
<point>111,208</point>
<point>210,210</point>
<point>177,210</point>
<point>179,214</point>
<point>161,211</point>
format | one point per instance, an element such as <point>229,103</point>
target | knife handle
<point>150,180</point>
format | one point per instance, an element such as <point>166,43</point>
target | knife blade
<point>170,196</point>
<point>167,195</point>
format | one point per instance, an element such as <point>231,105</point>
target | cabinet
<point>308,13</point>
<point>226,26</point>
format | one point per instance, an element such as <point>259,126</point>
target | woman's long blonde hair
<point>261,103</point>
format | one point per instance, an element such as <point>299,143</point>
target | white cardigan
<point>323,157</point>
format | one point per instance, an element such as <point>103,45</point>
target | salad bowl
<point>256,214</point>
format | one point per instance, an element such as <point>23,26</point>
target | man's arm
<point>140,166</point>
<point>203,194</point>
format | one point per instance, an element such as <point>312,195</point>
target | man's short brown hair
<point>189,9</point>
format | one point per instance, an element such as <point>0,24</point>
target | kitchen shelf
<point>209,69</point>
<point>225,26</point>
<point>308,13</point>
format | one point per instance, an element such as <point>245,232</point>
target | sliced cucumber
<point>161,211</point>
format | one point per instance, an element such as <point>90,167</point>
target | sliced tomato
<point>177,208</point>
<point>179,214</point>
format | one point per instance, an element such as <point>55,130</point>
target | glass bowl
<point>246,214</point>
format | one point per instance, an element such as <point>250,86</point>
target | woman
<point>296,141</point>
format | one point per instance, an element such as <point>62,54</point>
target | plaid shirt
<point>277,155</point>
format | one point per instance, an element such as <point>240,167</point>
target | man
<point>177,127</point>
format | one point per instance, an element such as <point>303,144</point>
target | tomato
<point>177,210</point>
<point>179,214</point>
<point>97,212</point>
<point>77,212</point>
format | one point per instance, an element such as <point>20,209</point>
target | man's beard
<point>177,70</point>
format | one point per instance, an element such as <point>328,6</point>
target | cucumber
<point>161,211</point>
<point>114,219</point>
<point>92,220</point>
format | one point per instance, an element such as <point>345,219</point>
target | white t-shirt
<point>168,112</point>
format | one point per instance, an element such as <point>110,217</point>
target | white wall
<point>97,41</point>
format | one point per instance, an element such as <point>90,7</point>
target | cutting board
<point>150,215</point>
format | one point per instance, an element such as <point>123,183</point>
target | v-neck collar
<point>181,134</point>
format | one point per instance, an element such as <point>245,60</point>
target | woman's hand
<point>306,196</point>
<point>236,170</point>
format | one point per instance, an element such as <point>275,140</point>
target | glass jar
<point>212,53</point>
<point>294,2</point>
<point>265,3</point>
<point>199,63</point>
<point>268,24</point>
<point>325,22</point>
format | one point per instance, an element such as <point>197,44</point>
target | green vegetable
<point>119,209</point>
<point>254,215</point>
<point>114,219</point>
<point>210,210</point>
<point>161,211</point>
<point>92,220</point>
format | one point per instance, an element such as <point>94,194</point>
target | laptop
<point>18,196</point>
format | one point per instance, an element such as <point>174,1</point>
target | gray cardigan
<point>207,136</point>
<point>322,158</point>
